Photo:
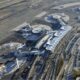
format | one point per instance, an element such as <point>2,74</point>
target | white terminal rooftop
<point>61,16</point>
<point>41,26</point>
<point>52,43</point>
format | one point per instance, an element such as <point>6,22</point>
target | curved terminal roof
<point>51,44</point>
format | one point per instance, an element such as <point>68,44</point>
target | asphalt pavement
<point>24,14</point>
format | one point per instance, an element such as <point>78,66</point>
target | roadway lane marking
<point>41,14</point>
<point>66,5</point>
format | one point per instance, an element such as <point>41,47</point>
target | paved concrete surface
<point>6,3</point>
<point>22,13</point>
<point>67,5</point>
<point>28,14</point>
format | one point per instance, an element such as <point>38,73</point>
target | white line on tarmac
<point>66,5</point>
<point>41,14</point>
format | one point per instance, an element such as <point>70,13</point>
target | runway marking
<point>20,26</point>
<point>41,14</point>
<point>66,5</point>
